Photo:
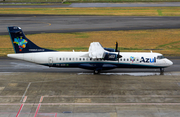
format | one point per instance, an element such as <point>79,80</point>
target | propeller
<point>116,50</point>
<point>116,46</point>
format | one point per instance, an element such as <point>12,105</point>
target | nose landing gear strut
<point>161,71</point>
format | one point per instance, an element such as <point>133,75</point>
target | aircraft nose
<point>169,63</point>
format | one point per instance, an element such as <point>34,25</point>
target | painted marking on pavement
<point>41,99</point>
<point>55,115</point>
<point>37,110</point>
<point>20,110</point>
<point>39,105</point>
<point>24,100</point>
<point>25,92</point>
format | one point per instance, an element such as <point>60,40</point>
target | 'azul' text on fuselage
<point>148,60</point>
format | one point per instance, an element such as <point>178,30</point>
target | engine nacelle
<point>110,56</point>
<point>109,49</point>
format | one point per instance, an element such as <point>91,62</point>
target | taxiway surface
<point>32,24</point>
<point>43,92</point>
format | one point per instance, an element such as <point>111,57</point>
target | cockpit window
<point>160,57</point>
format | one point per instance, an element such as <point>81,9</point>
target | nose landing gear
<point>161,71</point>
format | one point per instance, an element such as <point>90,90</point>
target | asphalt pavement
<point>32,24</point>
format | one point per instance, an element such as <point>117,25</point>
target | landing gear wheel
<point>97,71</point>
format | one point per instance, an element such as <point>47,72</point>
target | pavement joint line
<point>110,104</point>
<point>108,96</point>
<point>28,113</point>
<point>10,96</point>
<point>25,92</point>
<point>95,104</point>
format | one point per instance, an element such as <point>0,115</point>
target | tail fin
<point>21,44</point>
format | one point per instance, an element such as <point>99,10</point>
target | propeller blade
<point>116,46</point>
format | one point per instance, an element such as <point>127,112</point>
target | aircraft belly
<point>104,66</point>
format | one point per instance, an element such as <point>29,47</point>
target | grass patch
<point>117,1</point>
<point>112,11</point>
<point>81,35</point>
<point>159,12</point>
<point>90,1</point>
<point>165,41</point>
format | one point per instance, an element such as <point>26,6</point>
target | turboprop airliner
<point>97,58</point>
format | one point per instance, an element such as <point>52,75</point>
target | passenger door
<point>50,60</point>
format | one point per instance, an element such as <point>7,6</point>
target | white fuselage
<point>82,60</point>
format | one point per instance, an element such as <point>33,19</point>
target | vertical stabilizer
<point>21,44</point>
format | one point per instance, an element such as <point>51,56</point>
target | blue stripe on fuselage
<point>92,65</point>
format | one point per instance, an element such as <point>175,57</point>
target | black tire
<point>97,71</point>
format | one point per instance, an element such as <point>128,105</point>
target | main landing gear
<point>161,71</point>
<point>97,71</point>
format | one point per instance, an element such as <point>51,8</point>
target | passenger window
<point>86,59</point>
<point>124,59</point>
<point>127,59</point>
<point>80,59</point>
<point>63,59</point>
<point>83,59</point>
<point>73,59</point>
<point>120,59</point>
<point>76,59</point>
<point>90,59</point>
<point>59,58</point>
<point>137,59</point>
<point>66,59</point>
<point>69,58</point>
